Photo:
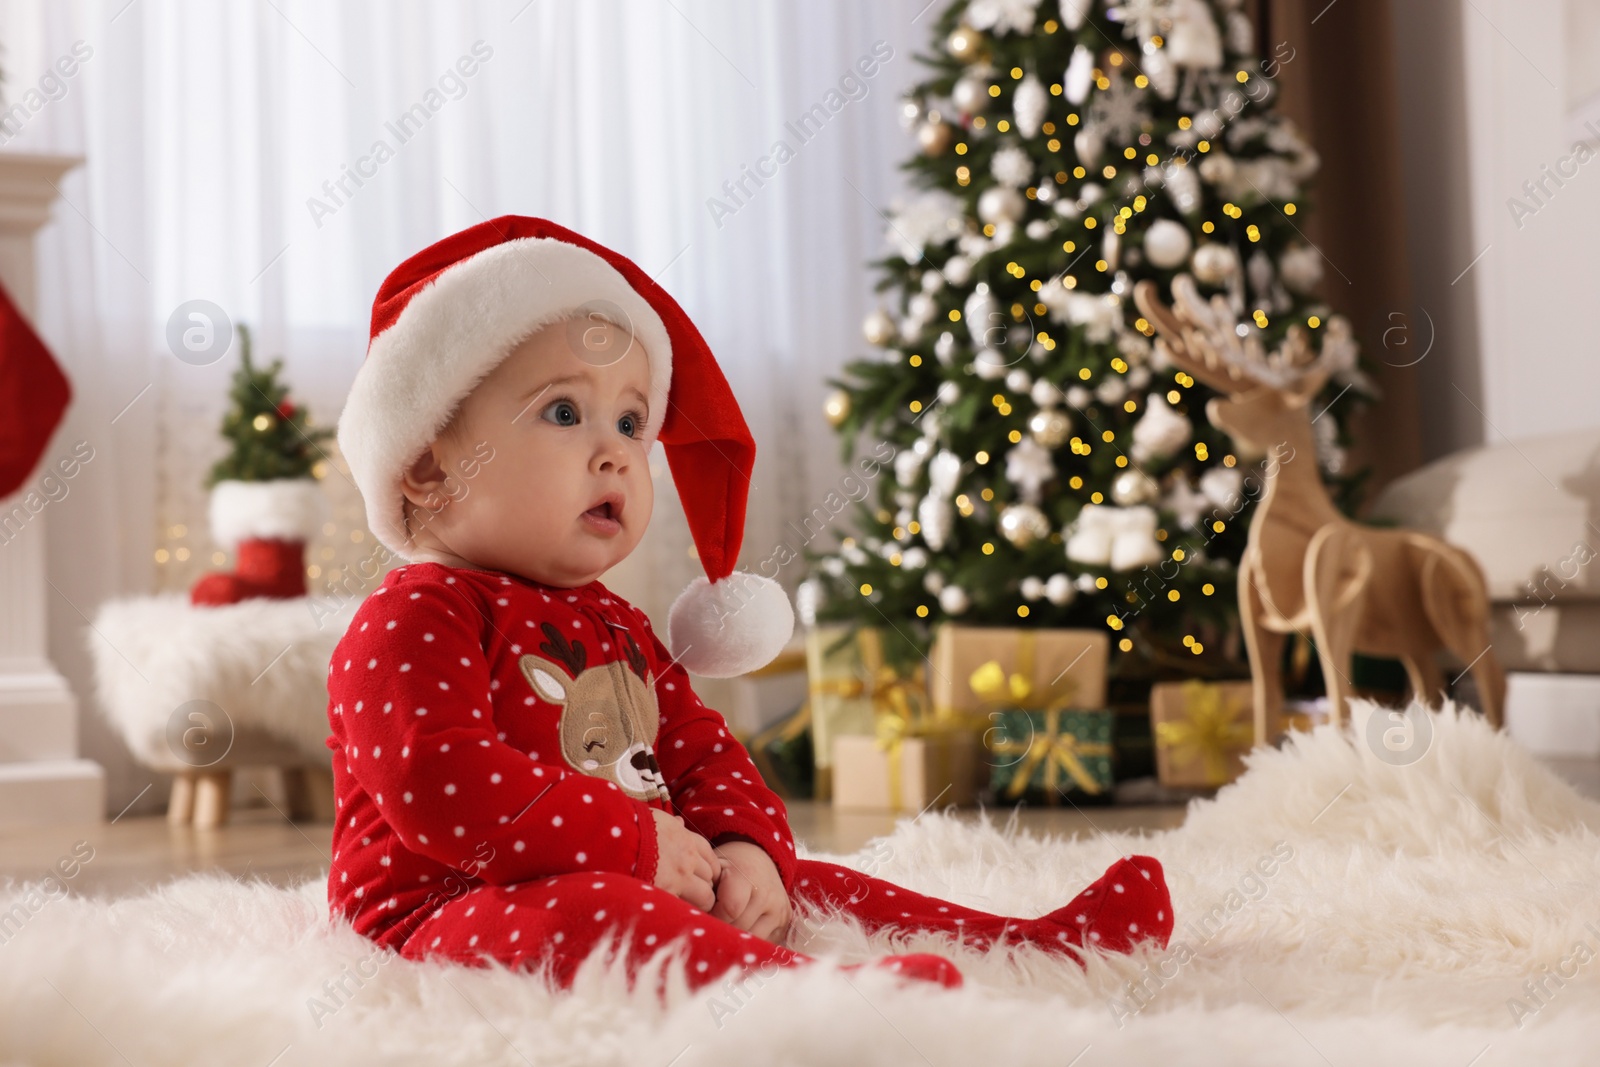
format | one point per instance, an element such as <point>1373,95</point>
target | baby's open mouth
<point>607,512</point>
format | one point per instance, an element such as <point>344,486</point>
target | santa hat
<point>447,316</point>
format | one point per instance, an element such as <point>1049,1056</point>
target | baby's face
<point>567,493</point>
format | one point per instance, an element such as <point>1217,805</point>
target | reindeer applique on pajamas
<point>498,746</point>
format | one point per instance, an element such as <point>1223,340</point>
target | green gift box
<point>783,756</point>
<point>1050,752</point>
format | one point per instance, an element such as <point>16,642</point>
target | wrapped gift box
<point>1202,731</point>
<point>849,685</point>
<point>1046,754</point>
<point>1049,663</point>
<point>908,774</point>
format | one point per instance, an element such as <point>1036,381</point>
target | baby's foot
<point>923,965</point>
<point>1126,905</point>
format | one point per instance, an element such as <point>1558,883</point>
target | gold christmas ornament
<point>964,43</point>
<point>878,328</point>
<point>934,138</point>
<point>836,407</point>
<point>1023,524</point>
<point>1134,487</point>
<point>1050,427</point>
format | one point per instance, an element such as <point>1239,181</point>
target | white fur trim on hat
<point>728,628</point>
<point>450,335</point>
<point>282,509</point>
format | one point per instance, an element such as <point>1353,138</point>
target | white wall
<point>1536,285</point>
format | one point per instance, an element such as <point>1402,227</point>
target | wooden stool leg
<point>294,793</point>
<point>319,791</point>
<point>211,794</point>
<point>309,791</point>
<point>180,805</point>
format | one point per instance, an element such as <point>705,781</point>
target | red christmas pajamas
<point>498,745</point>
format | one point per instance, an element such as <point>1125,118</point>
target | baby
<point>521,765</point>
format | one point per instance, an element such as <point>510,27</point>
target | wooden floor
<point>134,853</point>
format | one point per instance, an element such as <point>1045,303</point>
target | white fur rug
<point>1406,909</point>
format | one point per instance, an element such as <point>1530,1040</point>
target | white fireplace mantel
<point>42,778</point>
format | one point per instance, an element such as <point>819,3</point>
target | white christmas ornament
<point>1300,268</point>
<point>1194,40</point>
<point>1079,79</point>
<point>1140,19</point>
<point>807,598</point>
<point>944,349</point>
<point>1018,380</point>
<point>1167,244</point>
<point>1160,431</point>
<point>1059,589</point>
<point>907,465</point>
<point>957,270</point>
<point>1011,166</point>
<point>931,219</point>
<point>990,364</point>
<point>1078,397</point>
<point>1045,393</point>
<point>1002,16</point>
<point>931,281</point>
<point>1159,69</point>
<point>981,312</point>
<point>1111,390</point>
<point>1032,587</point>
<point>953,599</point>
<point>1222,486</point>
<point>933,581</point>
<point>944,471</point>
<point>1073,12</point>
<point>1029,103</point>
<point>999,204</point>
<point>1187,503</point>
<point>1183,186</point>
<point>970,95</point>
<point>1040,229</point>
<point>1123,538</point>
<point>1134,544</point>
<point>934,517</point>
<point>913,558</point>
<point>1088,143</point>
<point>1029,467</point>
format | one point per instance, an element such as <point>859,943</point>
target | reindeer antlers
<point>570,654</point>
<point>1201,338</point>
<point>636,658</point>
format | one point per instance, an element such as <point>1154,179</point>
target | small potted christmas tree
<point>265,501</point>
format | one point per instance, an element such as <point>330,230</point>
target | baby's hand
<point>688,867</point>
<point>750,892</point>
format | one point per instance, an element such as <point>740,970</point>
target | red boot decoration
<point>267,525</point>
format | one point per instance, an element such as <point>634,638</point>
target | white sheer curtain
<point>217,135</point>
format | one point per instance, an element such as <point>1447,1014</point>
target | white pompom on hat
<point>450,314</point>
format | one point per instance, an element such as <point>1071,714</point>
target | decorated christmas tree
<point>269,432</point>
<point>1048,468</point>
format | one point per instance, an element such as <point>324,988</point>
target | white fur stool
<point>199,691</point>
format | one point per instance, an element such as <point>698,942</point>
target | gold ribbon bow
<point>1212,728</point>
<point>1057,750</point>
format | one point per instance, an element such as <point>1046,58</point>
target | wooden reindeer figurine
<point>1384,592</point>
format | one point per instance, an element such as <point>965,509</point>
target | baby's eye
<point>566,413</point>
<point>628,424</point>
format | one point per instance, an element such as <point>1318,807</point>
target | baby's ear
<point>424,481</point>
